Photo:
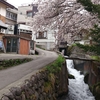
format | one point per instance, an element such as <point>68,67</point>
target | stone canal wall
<point>41,86</point>
<point>90,69</point>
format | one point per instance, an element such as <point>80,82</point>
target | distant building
<point>45,39</point>
<point>26,13</point>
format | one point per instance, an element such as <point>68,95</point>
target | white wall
<point>44,40</point>
<point>84,42</point>
<point>24,27</point>
<point>22,17</point>
<point>48,43</point>
<point>2,10</point>
<point>50,37</point>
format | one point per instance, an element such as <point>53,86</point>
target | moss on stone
<point>96,91</point>
<point>47,87</point>
<point>55,67</point>
<point>95,58</point>
<point>33,97</point>
<point>52,79</point>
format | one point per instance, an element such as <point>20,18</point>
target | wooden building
<point>18,44</point>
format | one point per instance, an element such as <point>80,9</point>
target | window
<point>35,10</point>
<point>11,15</point>
<point>20,13</point>
<point>2,30</point>
<point>29,13</point>
<point>32,45</point>
<point>41,35</point>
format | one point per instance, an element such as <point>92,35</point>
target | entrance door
<point>11,45</point>
<point>8,45</point>
<point>14,45</point>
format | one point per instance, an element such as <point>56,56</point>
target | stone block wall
<point>92,69</point>
<point>41,86</point>
<point>92,77</point>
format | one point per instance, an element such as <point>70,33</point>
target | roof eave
<point>8,4</point>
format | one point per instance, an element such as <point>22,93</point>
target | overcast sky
<point>17,3</point>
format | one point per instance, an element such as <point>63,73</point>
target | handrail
<point>76,58</point>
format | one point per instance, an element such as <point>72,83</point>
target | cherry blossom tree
<point>66,17</point>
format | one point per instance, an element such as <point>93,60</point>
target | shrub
<point>13,62</point>
<point>56,65</point>
<point>90,48</point>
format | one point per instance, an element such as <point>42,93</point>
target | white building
<point>45,39</point>
<point>26,13</point>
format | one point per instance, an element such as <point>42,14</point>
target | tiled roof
<point>3,25</point>
<point>8,4</point>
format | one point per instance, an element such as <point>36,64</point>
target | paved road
<point>14,74</point>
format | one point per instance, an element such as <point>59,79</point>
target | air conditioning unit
<point>2,30</point>
<point>11,27</point>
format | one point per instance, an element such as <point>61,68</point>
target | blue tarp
<point>1,45</point>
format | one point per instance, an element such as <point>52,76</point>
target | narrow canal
<point>78,90</point>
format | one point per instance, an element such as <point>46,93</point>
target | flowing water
<point>78,90</point>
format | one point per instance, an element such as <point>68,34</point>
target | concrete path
<point>13,74</point>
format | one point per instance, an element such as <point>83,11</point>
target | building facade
<point>8,16</point>
<point>17,44</point>
<point>16,38</point>
<point>45,39</point>
<point>26,13</point>
<point>23,31</point>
